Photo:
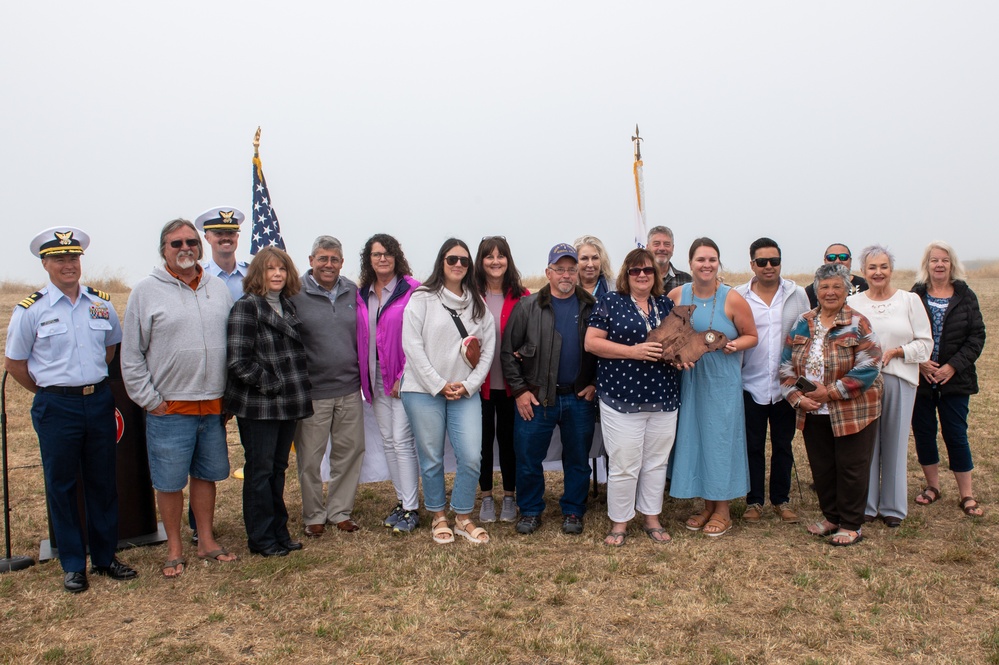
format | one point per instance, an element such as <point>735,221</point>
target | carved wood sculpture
<point>681,343</point>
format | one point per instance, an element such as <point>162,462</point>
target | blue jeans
<point>953,410</point>
<point>430,416</point>
<point>576,420</point>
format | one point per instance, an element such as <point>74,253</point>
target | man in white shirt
<point>776,303</point>
<point>221,229</point>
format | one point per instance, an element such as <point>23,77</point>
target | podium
<point>137,523</point>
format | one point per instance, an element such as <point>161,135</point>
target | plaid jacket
<point>268,377</point>
<point>852,359</point>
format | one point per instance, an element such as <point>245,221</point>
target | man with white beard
<point>173,362</point>
<point>660,243</point>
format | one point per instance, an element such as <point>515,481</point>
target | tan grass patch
<point>925,593</point>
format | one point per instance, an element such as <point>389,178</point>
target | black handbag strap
<point>457,321</point>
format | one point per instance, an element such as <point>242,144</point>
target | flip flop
<point>215,554</point>
<point>651,533</point>
<point>623,535</point>
<point>173,563</point>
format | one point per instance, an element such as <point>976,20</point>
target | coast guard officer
<point>221,229</point>
<point>59,343</point>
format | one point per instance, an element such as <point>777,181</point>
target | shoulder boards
<point>30,300</point>
<point>103,295</point>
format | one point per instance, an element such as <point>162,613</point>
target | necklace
<point>709,335</point>
<point>652,318</point>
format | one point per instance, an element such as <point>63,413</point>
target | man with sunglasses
<point>553,380</point>
<point>776,304</point>
<point>59,343</point>
<point>173,362</point>
<point>837,253</point>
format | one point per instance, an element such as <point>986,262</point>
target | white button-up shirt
<point>761,363</point>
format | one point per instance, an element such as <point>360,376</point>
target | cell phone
<point>804,385</point>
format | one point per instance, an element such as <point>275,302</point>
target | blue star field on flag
<point>265,230</point>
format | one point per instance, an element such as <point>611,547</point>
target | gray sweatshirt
<point>173,345</point>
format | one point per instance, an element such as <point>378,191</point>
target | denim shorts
<point>182,446</point>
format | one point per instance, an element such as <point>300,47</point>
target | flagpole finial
<point>637,140</point>
<point>256,143</point>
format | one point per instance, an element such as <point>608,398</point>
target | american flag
<point>265,231</point>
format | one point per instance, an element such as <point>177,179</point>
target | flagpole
<point>256,143</point>
<point>641,227</point>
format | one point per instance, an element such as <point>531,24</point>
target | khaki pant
<point>340,420</point>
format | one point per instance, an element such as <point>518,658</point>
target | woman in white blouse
<point>903,329</point>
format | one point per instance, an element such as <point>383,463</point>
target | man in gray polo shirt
<point>326,306</point>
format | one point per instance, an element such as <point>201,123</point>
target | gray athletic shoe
<point>508,513</point>
<point>394,517</point>
<point>487,513</point>
<point>409,521</point>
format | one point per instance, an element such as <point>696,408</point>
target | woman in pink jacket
<point>384,288</point>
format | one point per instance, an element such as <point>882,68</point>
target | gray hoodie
<point>173,345</point>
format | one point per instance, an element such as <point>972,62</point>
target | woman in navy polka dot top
<point>639,395</point>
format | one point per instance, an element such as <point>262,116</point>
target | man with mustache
<point>660,243</point>
<point>173,362</point>
<point>221,229</point>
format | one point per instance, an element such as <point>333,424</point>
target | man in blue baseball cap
<point>554,381</point>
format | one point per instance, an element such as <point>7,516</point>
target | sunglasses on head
<point>842,257</point>
<point>647,270</point>
<point>453,259</point>
<point>190,242</point>
<point>772,260</point>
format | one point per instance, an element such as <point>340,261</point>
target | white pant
<point>400,447</point>
<point>638,445</point>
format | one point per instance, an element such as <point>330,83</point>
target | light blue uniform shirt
<point>233,280</point>
<point>64,344</point>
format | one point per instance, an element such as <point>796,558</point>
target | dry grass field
<point>927,592</point>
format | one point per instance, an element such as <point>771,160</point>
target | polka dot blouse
<point>632,386</point>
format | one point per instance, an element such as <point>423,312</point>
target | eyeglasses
<point>772,260</point>
<point>453,260</point>
<point>842,257</point>
<point>322,260</point>
<point>190,242</point>
<point>378,256</point>
<point>647,270</point>
<point>563,271</point>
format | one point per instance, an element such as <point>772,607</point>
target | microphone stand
<point>10,563</point>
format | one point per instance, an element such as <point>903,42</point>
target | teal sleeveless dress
<point>710,459</point>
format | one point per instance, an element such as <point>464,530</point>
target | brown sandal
<point>719,526</point>
<point>697,521</point>
<point>971,511</point>
<point>928,495</point>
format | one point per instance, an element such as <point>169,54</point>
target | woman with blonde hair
<point>948,378</point>
<point>595,272</point>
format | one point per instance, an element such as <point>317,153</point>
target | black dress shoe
<point>116,571</point>
<point>291,545</point>
<point>75,582</point>
<point>274,550</point>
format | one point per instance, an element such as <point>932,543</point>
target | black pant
<point>266,444</point>
<point>781,418</point>
<point>497,420</point>
<point>841,467</point>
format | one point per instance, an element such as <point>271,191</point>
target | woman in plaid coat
<point>269,392</point>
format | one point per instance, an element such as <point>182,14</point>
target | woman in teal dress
<point>710,459</point>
